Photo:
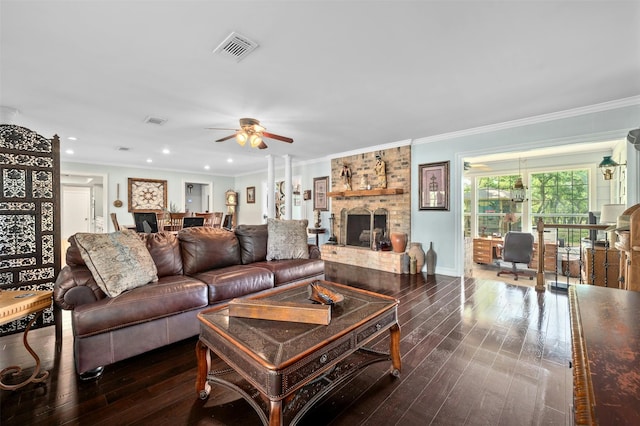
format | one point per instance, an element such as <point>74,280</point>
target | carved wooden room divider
<point>29,215</point>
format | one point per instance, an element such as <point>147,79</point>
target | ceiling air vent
<point>123,148</point>
<point>236,46</point>
<point>155,120</point>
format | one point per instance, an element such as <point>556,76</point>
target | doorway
<point>197,197</point>
<point>82,206</point>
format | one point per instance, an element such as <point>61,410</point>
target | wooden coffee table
<point>292,365</point>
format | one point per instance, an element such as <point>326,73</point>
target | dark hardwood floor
<point>474,352</point>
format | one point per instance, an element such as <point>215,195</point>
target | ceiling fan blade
<point>277,137</point>
<point>262,145</point>
<point>226,138</point>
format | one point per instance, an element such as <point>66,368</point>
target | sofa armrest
<point>314,251</point>
<point>75,286</point>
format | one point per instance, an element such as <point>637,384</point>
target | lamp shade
<point>607,161</point>
<point>610,212</point>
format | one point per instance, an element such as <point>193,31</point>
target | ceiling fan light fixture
<point>241,138</point>
<point>255,140</point>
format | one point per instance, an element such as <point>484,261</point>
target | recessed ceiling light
<point>207,167</point>
<point>149,160</point>
<point>69,151</point>
<point>72,138</point>
<point>166,151</point>
<point>229,160</point>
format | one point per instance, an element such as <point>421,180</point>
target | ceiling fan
<point>469,166</point>
<point>251,130</point>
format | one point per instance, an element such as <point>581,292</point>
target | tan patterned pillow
<point>118,261</point>
<point>287,239</point>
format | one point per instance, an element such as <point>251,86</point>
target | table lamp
<point>609,216</point>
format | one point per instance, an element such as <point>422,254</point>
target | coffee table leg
<point>394,350</point>
<point>275,413</point>
<point>203,388</point>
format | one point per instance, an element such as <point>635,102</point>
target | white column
<point>271,202</point>
<point>288,192</point>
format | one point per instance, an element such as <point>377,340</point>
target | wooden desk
<point>17,304</point>
<point>605,336</point>
<point>485,249</point>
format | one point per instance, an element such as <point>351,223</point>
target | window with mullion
<point>561,197</point>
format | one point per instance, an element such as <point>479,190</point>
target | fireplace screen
<point>362,226</point>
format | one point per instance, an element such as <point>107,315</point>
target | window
<point>496,213</point>
<point>561,197</point>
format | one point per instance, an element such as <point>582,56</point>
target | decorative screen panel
<point>29,215</point>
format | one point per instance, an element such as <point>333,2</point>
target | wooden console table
<point>605,336</point>
<point>18,304</point>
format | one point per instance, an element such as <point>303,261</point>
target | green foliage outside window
<point>563,198</point>
<point>556,197</point>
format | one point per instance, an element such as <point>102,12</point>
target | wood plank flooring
<point>474,352</point>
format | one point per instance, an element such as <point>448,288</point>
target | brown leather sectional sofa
<point>197,268</point>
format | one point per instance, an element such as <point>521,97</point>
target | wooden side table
<point>16,304</point>
<point>317,232</point>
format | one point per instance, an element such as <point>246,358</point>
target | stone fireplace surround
<point>394,203</point>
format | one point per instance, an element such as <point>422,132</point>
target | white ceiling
<point>335,76</point>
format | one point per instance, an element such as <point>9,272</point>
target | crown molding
<point>372,148</point>
<point>575,112</point>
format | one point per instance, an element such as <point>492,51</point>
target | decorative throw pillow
<point>118,261</point>
<point>287,239</point>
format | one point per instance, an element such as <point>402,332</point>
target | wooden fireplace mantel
<point>366,192</point>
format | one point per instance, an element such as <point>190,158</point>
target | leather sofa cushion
<point>235,281</point>
<point>253,242</point>
<point>164,248</point>
<point>73,257</point>
<point>169,296</point>
<point>286,271</point>
<point>208,248</point>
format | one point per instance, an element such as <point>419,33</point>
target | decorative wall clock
<point>147,194</point>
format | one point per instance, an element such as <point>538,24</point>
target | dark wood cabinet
<point>601,266</point>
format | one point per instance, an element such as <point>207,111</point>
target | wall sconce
<point>608,167</point>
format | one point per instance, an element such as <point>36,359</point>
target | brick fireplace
<point>386,210</point>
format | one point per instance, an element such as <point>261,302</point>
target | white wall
<point>175,186</point>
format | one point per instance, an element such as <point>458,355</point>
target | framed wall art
<point>320,200</point>
<point>147,194</point>
<point>251,195</point>
<point>433,179</point>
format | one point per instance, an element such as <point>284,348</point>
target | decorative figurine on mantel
<point>346,177</point>
<point>364,184</point>
<point>318,222</point>
<point>381,172</point>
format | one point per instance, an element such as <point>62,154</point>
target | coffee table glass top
<point>280,343</point>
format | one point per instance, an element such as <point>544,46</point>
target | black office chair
<point>517,248</point>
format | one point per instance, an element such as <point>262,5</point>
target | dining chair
<point>176,220</point>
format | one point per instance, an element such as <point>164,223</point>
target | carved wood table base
<point>17,304</point>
